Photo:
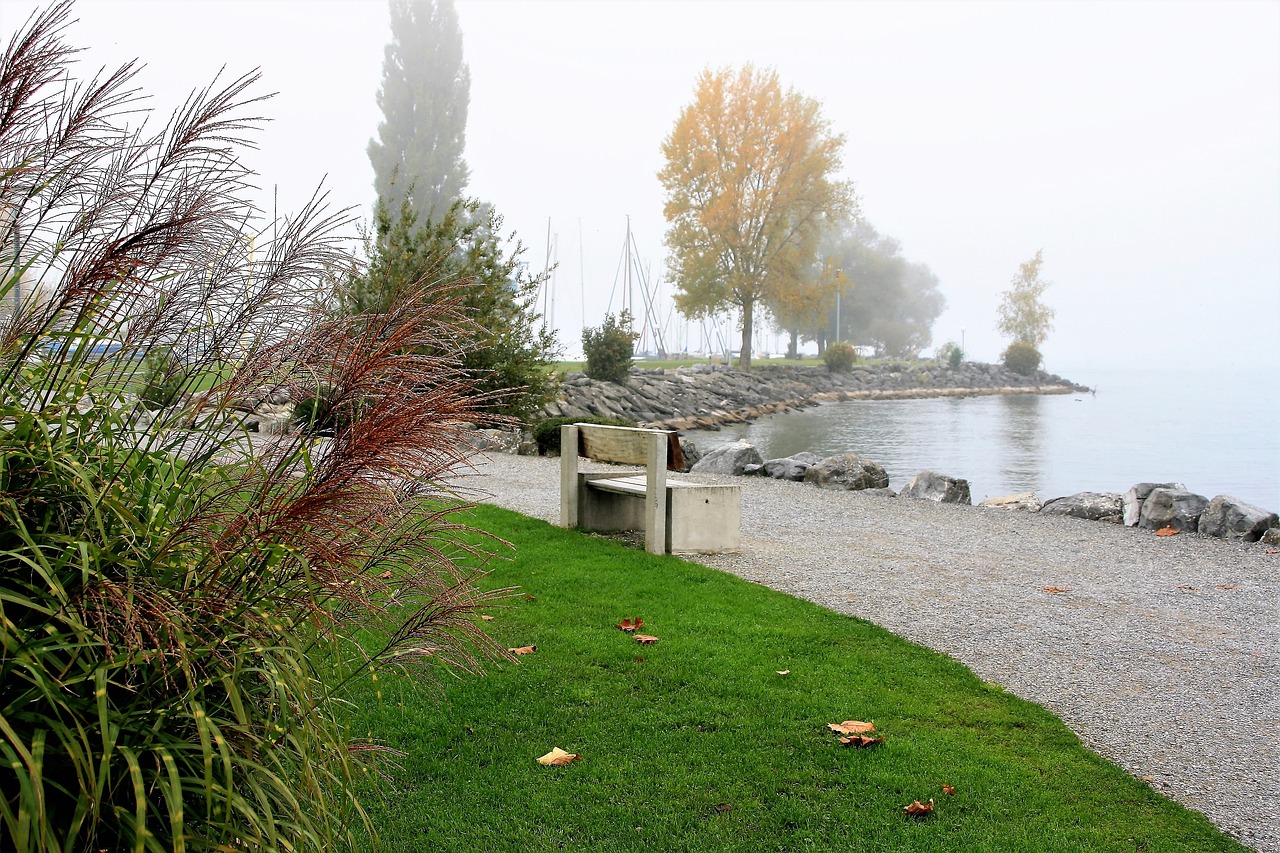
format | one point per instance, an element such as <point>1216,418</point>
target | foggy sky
<point>1137,144</point>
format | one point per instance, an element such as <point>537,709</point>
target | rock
<point>1271,537</point>
<point>495,440</point>
<point>1020,500</point>
<point>690,452</point>
<point>729,458</point>
<point>791,467</point>
<point>1134,498</point>
<point>848,471</point>
<point>1176,508</point>
<point>1231,518</point>
<point>939,488</point>
<point>1094,506</point>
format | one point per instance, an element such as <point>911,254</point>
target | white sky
<point>1136,143</point>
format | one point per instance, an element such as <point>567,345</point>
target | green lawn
<point>696,743</point>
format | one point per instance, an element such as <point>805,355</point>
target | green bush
<point>182,616</point>
<point>164,380</point>
<point>1021,358</point>
<point>317,414</point>
<point>839,357</point>
<point>547,432</point>
<point>609,348</point>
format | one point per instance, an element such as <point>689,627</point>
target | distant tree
<point>510,356</point>
<point>804,306</point>
<point>886,302</point>
<point>426,88</point>
<point>1022,316</point>
<point>749,189</point>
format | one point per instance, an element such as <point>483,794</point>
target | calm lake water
<point>1217,434</point>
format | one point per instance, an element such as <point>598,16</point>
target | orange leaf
<point>783,671</point>
<point>724,807</point>
<point>861,741</point>
<point>948,790</point>
<point>851,727</point>
<point>386,576</point>
<point>645,639</point>
<point>1273,551</point>
<point>1227,586</point>
<point>1056,590</point>
<point>558,758</point>
<point>639,660</point>
<point>1168,531</point>
<point>523,650</point>
<point>919,809</point>
<point>486,617</point>
<point>630,625</point>
<point>528,597</point>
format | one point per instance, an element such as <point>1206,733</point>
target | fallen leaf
<point>630,625</point>
<point>486,618</point>
<point>724,807</point>
<point>558,758</point>
<point>1057,590</point>
<point>1185,586</point>
<point>919,809</point>
<point>639,660</point>
<point>523,650</point>
<point>1273,551</point>
<point>1168,531</point>
<point>783,671</point>
<point>645,639</point>
<point>528,597</point>
<point>948,790</point>
<point>851,727</point>
<point>1226,586</point>
<point>386,576</point>
<point>1148,778</point>
<point>861,741</point>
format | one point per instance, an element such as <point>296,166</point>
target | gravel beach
<point>1160,653</point>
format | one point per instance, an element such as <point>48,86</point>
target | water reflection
<point>1022,459</point>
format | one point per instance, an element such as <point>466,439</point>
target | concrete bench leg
<point>655,522</point>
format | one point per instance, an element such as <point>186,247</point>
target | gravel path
<point>1160,653</point>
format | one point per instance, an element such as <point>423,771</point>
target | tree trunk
<point>748,320</point>
<point>793,345</point>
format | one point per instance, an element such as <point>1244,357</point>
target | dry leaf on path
<point>783,671</point>
<point>1273,551</point>
<point>523,650</point>
<point>1057,590</point>
<point>558,758</point>
<point>645,639</point>
<point>948,790</point>
<point>919,809</point>
<point>1226,586</point>
<point>1168,531</point>
<point>861,741</point>
<point>851,727</point>
<point>630,625</point>
<point>1185,586</point>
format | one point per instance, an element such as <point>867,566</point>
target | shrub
<point>547,432</point>
<point>955,358</point>
<point>180,617</point>
<point>165,379</point>
<point>315,414</point>
<point>1021,358</point>
<point>609,348</point>
<point>839,357</point>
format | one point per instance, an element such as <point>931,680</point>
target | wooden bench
<point>676,516</point>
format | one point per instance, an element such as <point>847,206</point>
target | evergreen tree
<point>424,96</point>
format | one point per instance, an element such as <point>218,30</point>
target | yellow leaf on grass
<point>919,809</point>
<point>851,727</point>
<point>783,671</point>
<point>523,650</point>
<point>645,639</point>
<point>558,758</point>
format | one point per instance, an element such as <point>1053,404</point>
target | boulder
<point>1020,500</point>
<point>1094,506</point>
<point>1176,508</point>
<point>791,467</point>
<point>847,471</point>
<point>730,458</point>
<point>1134,498</point>
<point>494,440</point>
<point>939,488</point>
<point>1231,518</point>
<point>690,452</point>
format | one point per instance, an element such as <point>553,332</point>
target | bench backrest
<point>625,445</point>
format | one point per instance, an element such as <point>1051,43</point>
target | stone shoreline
<point>702,397</point>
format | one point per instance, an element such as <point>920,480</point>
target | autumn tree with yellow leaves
<point>749,189</point>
